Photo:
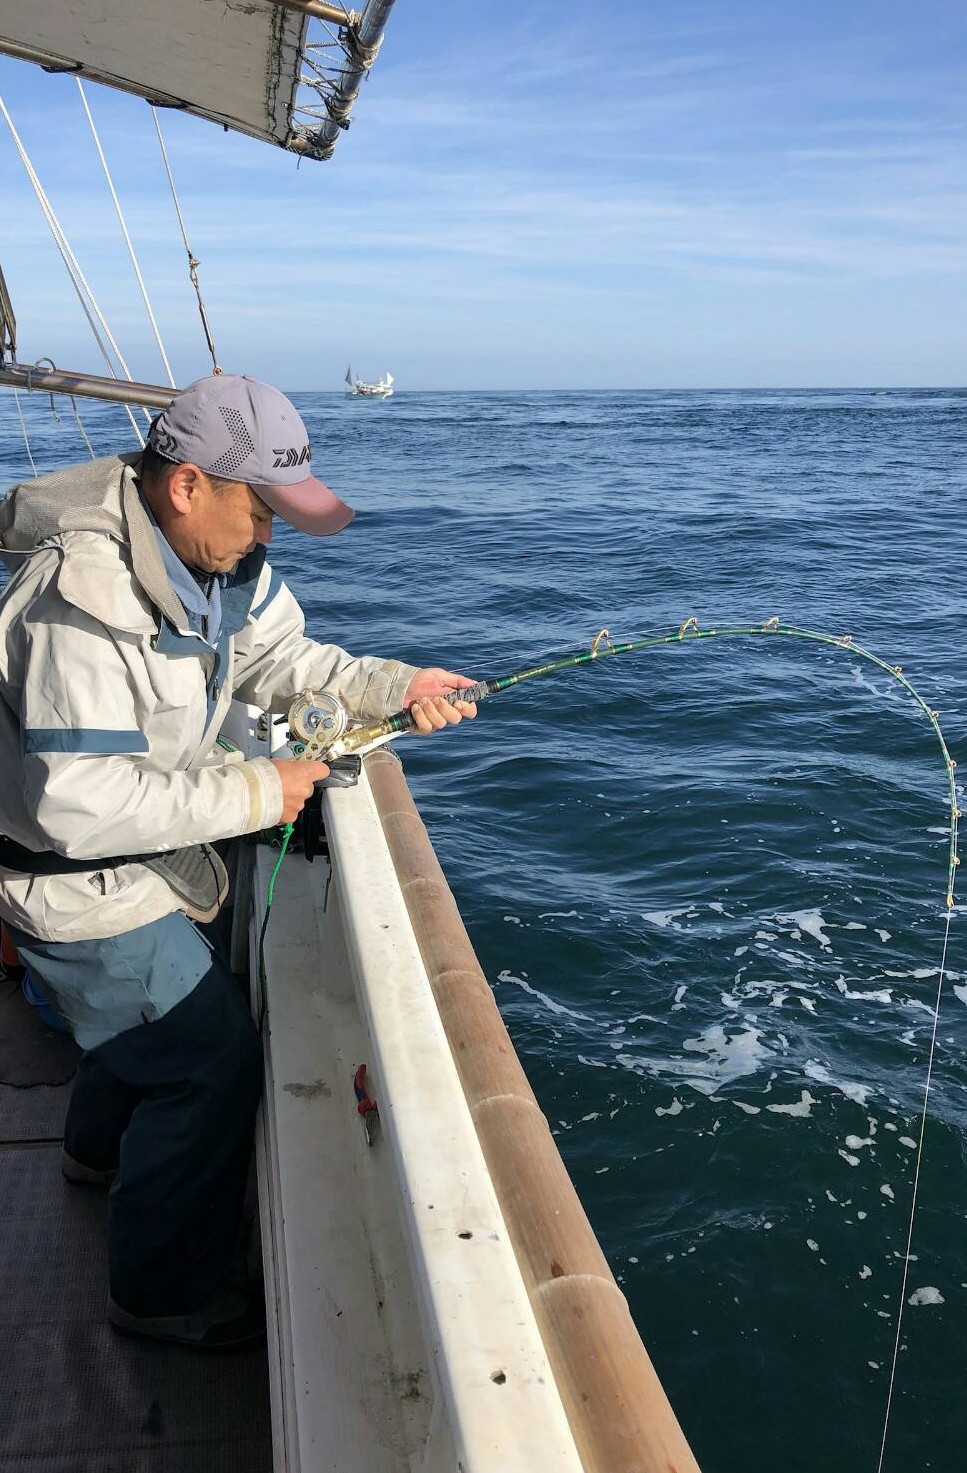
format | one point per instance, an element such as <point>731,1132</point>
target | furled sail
<point>243,63</point>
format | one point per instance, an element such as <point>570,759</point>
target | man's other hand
<point>425,701</point>
<point>297,778</point>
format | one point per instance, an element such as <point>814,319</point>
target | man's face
<point>219,525</point>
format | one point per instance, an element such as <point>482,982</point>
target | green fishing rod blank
<point>359,738</point>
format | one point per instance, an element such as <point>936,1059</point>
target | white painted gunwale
<point>401,1342</point>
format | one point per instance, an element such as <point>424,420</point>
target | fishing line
<point>286,835</point>
<point>322,731</point>
<point>330,736</point>
<point>916,1189</point>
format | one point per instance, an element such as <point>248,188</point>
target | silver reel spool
<point>317,721</point>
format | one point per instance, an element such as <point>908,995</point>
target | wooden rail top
<point>620,1417</point>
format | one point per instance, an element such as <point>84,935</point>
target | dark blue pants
<point>172,1104</point>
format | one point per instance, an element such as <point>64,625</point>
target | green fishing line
<point>287,832</point>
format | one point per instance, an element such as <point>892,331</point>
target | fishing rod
<point>320,724</point>
<point>320,728</point>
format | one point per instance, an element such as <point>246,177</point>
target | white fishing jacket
<point>110,706</point>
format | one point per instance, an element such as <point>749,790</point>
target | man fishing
<point>140,605</point>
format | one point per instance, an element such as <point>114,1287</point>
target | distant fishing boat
<point>357,389</point>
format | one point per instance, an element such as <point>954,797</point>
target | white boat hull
<point>437,1299</point>
<point>405,1337</point>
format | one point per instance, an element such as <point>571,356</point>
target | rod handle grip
<point>469,693</point>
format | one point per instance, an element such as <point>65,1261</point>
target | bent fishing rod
<point>321,728</point>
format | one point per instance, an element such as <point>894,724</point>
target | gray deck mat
<point>32,1114</point>
<point>36,1066</point>
<point>75,1397</point>
<point>30,1052</point>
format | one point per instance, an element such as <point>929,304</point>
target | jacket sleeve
<point>274,661</point>
<point>90,785</point>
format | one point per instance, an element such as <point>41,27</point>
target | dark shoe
<point>85,1176</point>
<point>229,1321</point>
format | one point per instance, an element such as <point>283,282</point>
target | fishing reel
<point>321,731</point>
<point>316,722</point>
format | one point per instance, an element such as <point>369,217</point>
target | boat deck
<point>75,1397</point>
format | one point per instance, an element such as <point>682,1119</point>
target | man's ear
<point>185,486</point>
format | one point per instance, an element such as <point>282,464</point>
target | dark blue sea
<point>706,883</point>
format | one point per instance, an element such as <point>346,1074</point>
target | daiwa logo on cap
<point>291,457</point>
<point>162,440</point>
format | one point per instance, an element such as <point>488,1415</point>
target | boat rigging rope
<point>83,433</point>
<point>363,738</point>
<point>193,261</point>
<point>78,280</point>
<point>53,408</point>
<point>23,427</point>
<point>124,231</point>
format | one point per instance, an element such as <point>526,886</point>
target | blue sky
<point>543,196</point>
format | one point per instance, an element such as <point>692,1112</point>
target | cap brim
<point>308,505</point>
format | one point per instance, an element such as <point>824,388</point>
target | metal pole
<point>317,10</point>
<point>84,385</point>
<point>362,45</point>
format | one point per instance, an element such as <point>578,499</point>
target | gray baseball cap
<point>243,430</point>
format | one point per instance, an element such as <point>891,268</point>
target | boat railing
<point>618,1412</point>
<point>498,1404</point>
<point>531,1355</point>
<point>401,1334</point>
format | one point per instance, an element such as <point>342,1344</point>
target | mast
<point>8,324</point>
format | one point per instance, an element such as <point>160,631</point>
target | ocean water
<point>706,883</point>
